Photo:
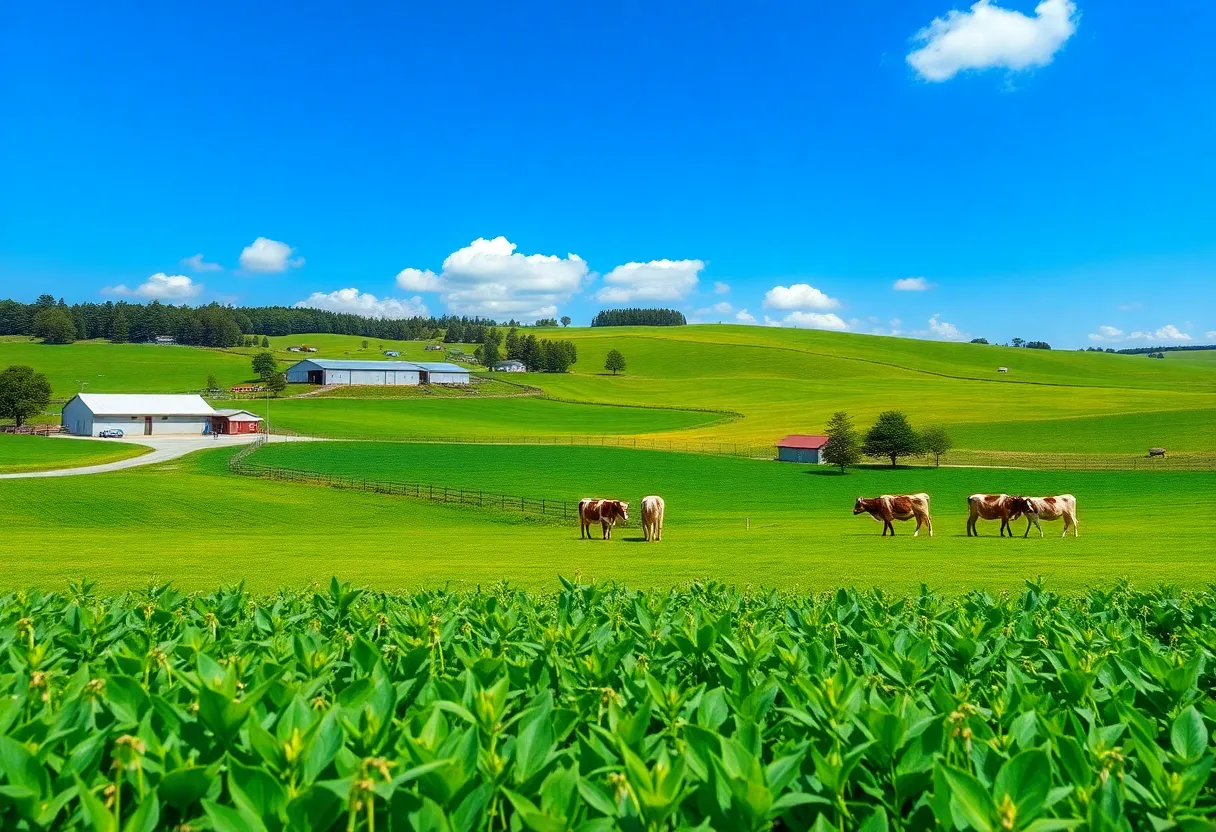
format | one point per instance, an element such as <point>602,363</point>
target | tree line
<point>639,317</point>
<point>890,438</point>
<point>213,325</point>
<point>539,355</point>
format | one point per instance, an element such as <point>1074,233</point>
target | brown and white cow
<point>1001,507</point>
<point>902,507</point>
<point>653,509</point>
<point>605,512</point>
<point>1052,508</point>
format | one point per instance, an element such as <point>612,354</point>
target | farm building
<point>235,421</point>
<point>801,447</point>
<point>88,414</point>
<point>334,371</point>
<point>512,366</point>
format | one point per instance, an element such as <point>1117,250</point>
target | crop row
<point>601,708</point>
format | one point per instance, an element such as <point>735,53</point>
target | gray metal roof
<point>344,364</point>
<point>145,404</point>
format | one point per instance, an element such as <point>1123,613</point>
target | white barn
<point>340,371</point>
<point>88,414</point>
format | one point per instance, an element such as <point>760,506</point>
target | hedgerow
<point>600,708</point>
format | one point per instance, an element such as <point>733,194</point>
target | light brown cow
<point>653,509</point>
<point>995,507</point>
<point>902,507</point>
<point>1052,508</point>
<point>605,512</point>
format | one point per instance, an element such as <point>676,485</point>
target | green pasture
<point>19,454</point>
<point>389,418</point>
<point>350,348</point>
<point>484,385</point>
<point>193,522</point>
<point>1206,357</point>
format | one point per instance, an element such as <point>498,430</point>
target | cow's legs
<point>929,523</point>
<point>1030,518</point>
<point>919,523</point>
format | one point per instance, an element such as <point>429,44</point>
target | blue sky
<point>1041,172</point>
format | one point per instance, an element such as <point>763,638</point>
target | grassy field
<point>387,418</point>
<point>193,522</point>
<point>40,453</point>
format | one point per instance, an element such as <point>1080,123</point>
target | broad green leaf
<point>183,787</point>
<point>1189,736</point>
<point>971,799</point>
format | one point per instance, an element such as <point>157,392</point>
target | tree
<point>54,325</point>
<point>936,441</point>
<point>364,343</point>
<point>1017,342</point>
<point>844,445</point>
<point>892,437</point>
<point>265,365</point>
<point>979,340</point>
<point>265,343</point>
<point>565,320</point>
<point>488,353</point>
<point>615,361</point>
<point>276,384</point>
<point>23,393</point>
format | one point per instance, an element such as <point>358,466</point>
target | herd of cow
<point>1003,507</point>
<point>885,509</point>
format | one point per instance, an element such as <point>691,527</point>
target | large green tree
<point>892,437</point>
<point>54,325</point>
<point>277,383</point>
<point>265,365</point>
<point>23,393</point>
<point>843,447</point>
<point>615,361</point>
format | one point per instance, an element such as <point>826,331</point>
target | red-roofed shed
<point>802,447</point>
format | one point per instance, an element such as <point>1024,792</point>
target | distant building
<point>391,373</point>
<point>512,366</point>
<point>235,421</point>
<point>88,414</point>
<point>434,348</point>
<point>801,447</point>
<point>295,349</point>
<point>164,339</point>
<point>392,353</point>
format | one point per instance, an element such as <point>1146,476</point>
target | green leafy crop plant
<point>599,708</point>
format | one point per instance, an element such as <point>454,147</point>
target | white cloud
<point>268,256</point>
<point>160,286</point>
<point>810,320</point>
<point>723,308</point>
<point>911,284</point>
<point>989,36</point>
<point>944,331</point>
<point>721,288</point>
<point>1169,332</point>
<point>745,317</point>
<point>419,280</point>
<point>1210,335</point>
<point>1106,333</point>
<point>196,263</point>
<point>799,296</point>
<point>488,277</point>
<point>362,303</point>
<point>657,280</point>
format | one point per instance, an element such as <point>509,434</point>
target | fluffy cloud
<point>658,280</point>
<point>1169,332</point>
<point>911,284</point>
<point>196,263</point>
<point>268,256</point>
<point>944,331</point>
<point>160,286</point>
<point>1210,335</point>
<point>989,36</point>
<point>363,303</point>
<point>810,320</point>
<point>745,317</point>
<point>721,288</point>
<point>799,296</point>
<point>1106,333</point>
<point>419,280</point>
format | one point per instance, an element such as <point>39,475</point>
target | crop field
<point>743,522</point>
<point>601,708</point>
<point>459,416</point>
<point>40,453</point>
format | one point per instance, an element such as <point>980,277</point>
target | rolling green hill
<point>41,453</point>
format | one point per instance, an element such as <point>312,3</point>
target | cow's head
<point>859,506</point>
<point>1019,506</point>
<point>623,511</point>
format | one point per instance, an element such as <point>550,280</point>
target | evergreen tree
<point>120,330</point>
<point>213,383</point>
<point>265,343</point>
<point>843,447</point>
<point>892,437</point>
<point>615,361</point>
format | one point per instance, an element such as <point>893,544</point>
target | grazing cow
<point>604,512</point>
<point>995,507</point>
<point>1052,508</point>
<point>652,518</point>
<point>1152,452</point>
<point>903,507</point>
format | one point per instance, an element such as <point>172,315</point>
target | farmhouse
<point>235,421</point>
<point>88,414</point>
<point>335,371</point>
<point>512,366</point>
<point>801,447</point>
